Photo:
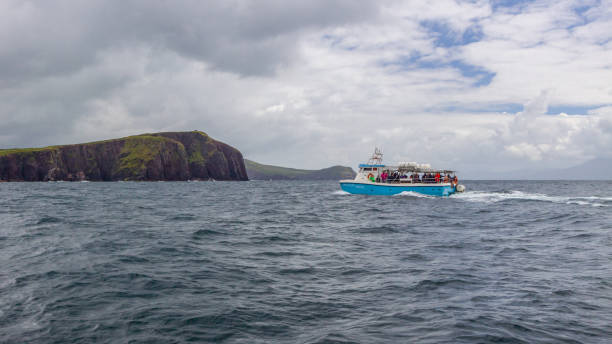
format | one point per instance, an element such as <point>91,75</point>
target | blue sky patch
<point>445,36</point>
<point>510,108</point>
<point>337,42</point>
<point>570,109</point>
<point>483,77</point>
<point>580,10</point>
<point>504,4</point>
<point>415,61</point>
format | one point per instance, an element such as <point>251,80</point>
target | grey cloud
<point>56,58</point>
<point>246,37</point>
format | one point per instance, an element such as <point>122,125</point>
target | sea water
<point>302,262</point>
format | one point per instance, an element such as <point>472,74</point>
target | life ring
<point>370,176</point>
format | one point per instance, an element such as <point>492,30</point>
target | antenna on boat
<point>377,157</point>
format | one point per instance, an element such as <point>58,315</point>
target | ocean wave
<point>48,219</point>
<point>500,196</point>
<point>413,194</point>
<point>340,192</point>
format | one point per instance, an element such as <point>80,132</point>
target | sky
<point>478,86</point>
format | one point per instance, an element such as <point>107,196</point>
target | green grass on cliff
<point>196,148</point>
<point>4,152</point>
<point>195,151</point>
<point>9,151</point>
<point>137,151</point>
<point>39,149</point>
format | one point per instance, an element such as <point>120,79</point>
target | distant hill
<point>596,169</point>
<point>265,172</point>
<point>600,169</point>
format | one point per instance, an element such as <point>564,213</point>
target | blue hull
<point>394,189</point>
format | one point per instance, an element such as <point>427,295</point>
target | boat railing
<point>405,179</point>
<point>411,181</point>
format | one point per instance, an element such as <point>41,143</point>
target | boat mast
<point>376,158</point>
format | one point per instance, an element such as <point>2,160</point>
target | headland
<point>171,156</point>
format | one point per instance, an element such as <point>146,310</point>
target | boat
<point>376,178</point>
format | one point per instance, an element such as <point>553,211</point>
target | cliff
<point>159,156</point>
<point>265,172</point>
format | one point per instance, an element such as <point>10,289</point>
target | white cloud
<point>525,150</point>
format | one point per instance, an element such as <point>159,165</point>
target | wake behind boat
<point>375,178</point>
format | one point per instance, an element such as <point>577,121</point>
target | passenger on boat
<point>394,177</point>
<point>446,179</point>
<point>437,177</point>
<point>384,176</point>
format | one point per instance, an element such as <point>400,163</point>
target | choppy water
<point>301,262</point>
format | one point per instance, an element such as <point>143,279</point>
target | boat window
<point>367,169</point>
<point>375,169</point>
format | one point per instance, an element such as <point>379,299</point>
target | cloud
<point>247,37</point>
<point>466,84</point>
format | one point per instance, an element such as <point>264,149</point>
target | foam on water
<point>340,192</point>
<point>413,194</point>
<point>500,196</point>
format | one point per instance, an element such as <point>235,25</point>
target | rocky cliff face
<point>159,156</point>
